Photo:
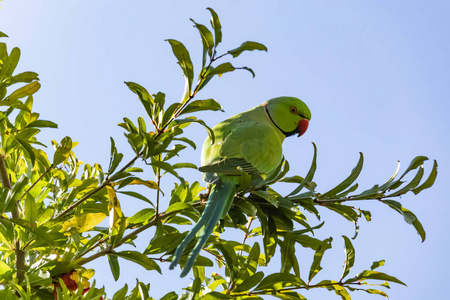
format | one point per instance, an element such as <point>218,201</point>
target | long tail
<point>219,202</point>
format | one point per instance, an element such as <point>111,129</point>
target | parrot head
<point>289,114</point>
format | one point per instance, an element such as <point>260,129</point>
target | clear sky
<point>374,73</point>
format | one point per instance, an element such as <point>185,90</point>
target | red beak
<point>302,126</point>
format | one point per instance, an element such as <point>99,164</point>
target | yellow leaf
<point>84,222</point>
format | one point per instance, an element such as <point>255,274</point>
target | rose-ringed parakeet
<point>249,142</point>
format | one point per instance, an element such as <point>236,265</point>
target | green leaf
<point>415,163</point>
<point>309,175</point>
<point>210,131</point>
<point>25,91</point>
<point>221,69</point>
<point>348,181</point>
<point>62,151</point>
<point>278,278</point>
<point>288,258</point>
<point>115,268</point>
<point>84,222</point>
<point>350,256</point>
<point>10,64</point>
<point>409,217</point>
<point>146,99</point>
<point>138,258</point>
<point>14,194</point>
<point>42,123</point>
<point>346,211</point>
<point>272,199</point>
<point>184,165</point>
<point>429,182</point>
<point>169,296</point>
<point>230,257</point>
<point>184,60</point>
<point>120,294</point>
<point>137,195</point>
<point>366,274</point>
<point>251,262</point>
<point>201,105</point>
<point>207,40</point>
<point>377,264</point>
<point>169,113</point>
<point>27,148</point>
<point>247,46</point>
<point>377,292</point>
<point>249,282</point>
<point>25,77</point>
<point>214,296</point>
<point>411,185</point>
<point>166,167</point>
<point>215,22</point>
<point>386,185</point>
<point>115,157</point>
<point>315,266</point>
<point>40,232</point>
<point>336,287</point>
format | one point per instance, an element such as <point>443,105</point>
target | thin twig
<point>33,185</point>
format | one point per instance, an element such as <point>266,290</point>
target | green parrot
<point>248,142</point>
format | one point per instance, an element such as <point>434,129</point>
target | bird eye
<point>293,109</point>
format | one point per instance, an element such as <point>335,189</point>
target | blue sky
<point>375,75</point>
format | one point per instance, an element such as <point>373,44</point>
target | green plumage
<point>248,142</point>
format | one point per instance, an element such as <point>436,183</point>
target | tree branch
<point>20,255</point>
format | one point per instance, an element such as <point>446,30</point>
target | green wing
<point>248,141</point>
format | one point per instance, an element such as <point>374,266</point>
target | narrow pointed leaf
<point>25,91</point>
<point>201,105</point>
<point>350,256</point>
<point>309,176</point>
<point>348,181</point>
<point>249,282</point>
<point>364,275</point>
<point>215,22</point>
<point>138,258</point>
<point>247,46</point>
<point>184,60</point>
<point>315,266</point>
<point>430,180</point>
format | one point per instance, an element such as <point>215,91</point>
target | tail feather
<point>219,203</point>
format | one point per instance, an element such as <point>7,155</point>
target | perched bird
<point>249,142</point>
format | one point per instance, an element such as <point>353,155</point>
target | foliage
<point>51,206</point>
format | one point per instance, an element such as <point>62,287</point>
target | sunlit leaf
<point>25,91</point>
<point>201,105</point>
<point>184,60</point>
<point>315,266</point>
<point>366,274</point>
<point>84,222</point>
<point>215,22</point>
<point>273,279</point>
<point>42,123</point>
<point>350,256</point>
<point>138,258</point>
<point>114,266</point>
<point>145,97</point>
<point>377,264</point>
